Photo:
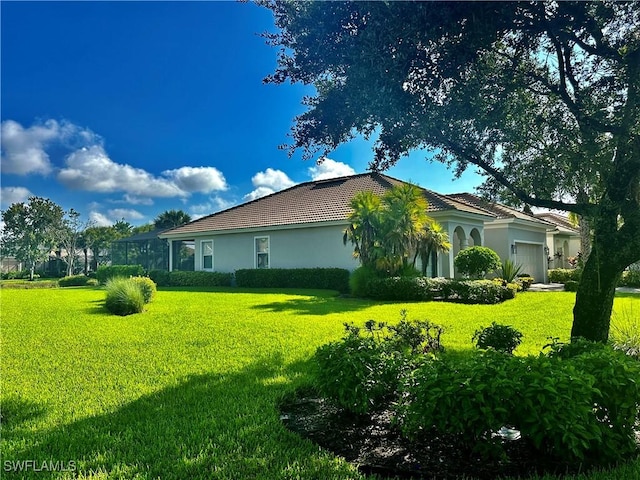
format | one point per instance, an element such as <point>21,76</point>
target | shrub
<point>524,282</point>
<point>365,369</point>
<point>324,278</point>
<point>423,288</point>
<point>199,279</point>
<point>477,261</point>
<point>147,287</point>
<point>577,408</point>
<point>160,277</point>
<point>124,296</point>
<point>92,282</point>
<point>360,279</point>
<point>105,272</point>
<point>571,286</point>
<point>630,278</point>
<point>502,338</point>
<point>510,270</point>
<point>563,275</point>
<point>625,331</point>
<point>74,281</point>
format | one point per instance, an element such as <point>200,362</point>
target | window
<point>207,254</point>
<point>262,252</point>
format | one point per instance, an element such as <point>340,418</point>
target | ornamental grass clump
<point>124,296</point>
<point>147,286</point>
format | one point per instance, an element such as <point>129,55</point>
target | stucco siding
<point>288,248</point>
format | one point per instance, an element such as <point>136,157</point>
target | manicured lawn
<point>189,389</point>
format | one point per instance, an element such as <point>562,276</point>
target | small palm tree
<point>433,240</point>
<point>364,225</point>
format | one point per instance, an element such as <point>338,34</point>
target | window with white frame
<point>262,252</point>
<point>207,254</point>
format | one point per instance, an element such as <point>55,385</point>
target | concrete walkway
<point>559,287</point>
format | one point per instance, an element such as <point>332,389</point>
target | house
<point>303,227</point>
<point>563,242</point>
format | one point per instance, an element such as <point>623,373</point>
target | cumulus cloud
<point>268,182</point>
<point>11,195</point>
<point>215,204</point>
<point>133,200</point>
<point>99,219</point>
<point>197,179</point>
<point>328,168</point>
<point>23,149</point>
<point>91,169</point>
<point>126,213</point>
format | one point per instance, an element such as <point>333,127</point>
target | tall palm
<point>171,219</point>
<point>433,240</point>
<point>405,217</point>
<point>364,224</point>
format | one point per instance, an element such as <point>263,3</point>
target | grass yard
<point>189,389</point>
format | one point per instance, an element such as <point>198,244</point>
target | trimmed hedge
<point>105,272</point>
<point>74,281</point>
<point>563,275</point>
<point>324,278</point>
<point>424,289</point>
<point>199,279</point>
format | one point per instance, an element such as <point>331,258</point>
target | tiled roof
<point>498,210</point>
<point>558,220</point>
<point>310,202</point>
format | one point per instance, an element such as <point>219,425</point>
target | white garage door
<point>530,257</point>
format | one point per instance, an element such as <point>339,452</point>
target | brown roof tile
<point>310,202</point>
<point>496,209</point>
<point>558,220</point>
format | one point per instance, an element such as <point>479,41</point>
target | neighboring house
<point>144,249</point>
<point>303,227</point>
<point>563,242</point>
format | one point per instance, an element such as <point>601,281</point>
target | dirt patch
<point>375,445</point>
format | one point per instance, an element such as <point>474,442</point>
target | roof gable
<point>498,210</point>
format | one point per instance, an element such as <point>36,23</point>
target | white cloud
<point>91,169</point>
<point>197,179</point>
<point>126,213</point>
<point>11,195</point>
<point>99,219</point>
<point>268,182</point>
<point>133,200</point>
<point>328,168</point>
<point>23,149</point>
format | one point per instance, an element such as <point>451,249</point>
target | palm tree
<point>405,217</point>
<point>433,240</point>
<point>364,225</point>
<point>171,219</point>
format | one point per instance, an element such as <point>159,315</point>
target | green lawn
<point>189,389</point>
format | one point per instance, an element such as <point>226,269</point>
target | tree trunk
<point>86,261</point>
<point>585,237</point>
<point>594,299</point>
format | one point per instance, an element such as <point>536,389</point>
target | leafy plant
<point>147,287</point>
<point>477,261</point>
<point>510,270</point>
<point>124,296</point>
<point>73,281</point>
<point>502,338</point>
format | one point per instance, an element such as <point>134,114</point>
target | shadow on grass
<point>317,305</point>
<point>207,426</point>
<point>628,295</point>
<point>14,411</point>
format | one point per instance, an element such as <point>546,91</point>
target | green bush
<point>124,296</point>
<point>74,281</point>
<point>92,282</point>
<point>147,287</point>
<point>524,282</point>
<point>510,270</point>
<point>563,275</point>
<point>571,286</point>
<point>199,279</point>
<point>424,289</point>
<point>105,272</point>
<point>364,370</point>
<point>324,278</point>
<point>162,278</point>
<point>476,262</point>
<point>360,279</point>
<point>581,408</point>
<point>630,278</point>
<point>502,338</point>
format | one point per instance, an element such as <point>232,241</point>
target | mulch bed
<point>375,445</point>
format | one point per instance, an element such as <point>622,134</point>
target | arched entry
<point>459,242</point>
<point>475,241</point>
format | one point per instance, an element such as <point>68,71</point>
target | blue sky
<point>127,109</point>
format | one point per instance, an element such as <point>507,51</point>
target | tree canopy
<point>543,97</point>
<point>171,219</point>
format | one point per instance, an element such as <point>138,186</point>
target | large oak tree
<point>543,97</point>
